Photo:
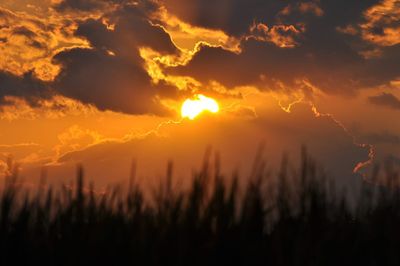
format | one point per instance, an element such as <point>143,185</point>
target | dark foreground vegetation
<point>298,219</point>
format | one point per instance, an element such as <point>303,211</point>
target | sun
<point>191,108</point>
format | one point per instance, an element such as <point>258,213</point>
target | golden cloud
<point>28,42</point>
<point>283,36</point>
<point>382,26</point>
<point>187,36</point>
<point>15,108</point>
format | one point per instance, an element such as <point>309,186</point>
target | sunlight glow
<point>191,108</point>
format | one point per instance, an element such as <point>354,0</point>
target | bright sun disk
<point>191,108</point>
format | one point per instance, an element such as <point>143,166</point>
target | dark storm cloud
<point>385,99</point>
<point>109,82</point>
<point>92,5</point>
<point>319,52</point>
<point>236,16</point>
<point>266,65</point>
<point>27,87</point>
<point>132,30</point>
<point>111,74</point>
<point>82,5</point>
<point>336,69</point>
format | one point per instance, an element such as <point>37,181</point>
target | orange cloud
<point>28,42</point>
<point>382,26</point>
<point>187,36</point>
<point>311,7</point>
<point>15,108</point>
<point>76,138</point>
<point>283,36</point>
<point>302,7</point>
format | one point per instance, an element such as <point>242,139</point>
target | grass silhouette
<point>296,218</point>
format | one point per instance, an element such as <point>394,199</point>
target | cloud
<point>54,107</point>
<point>281,35</point>
<point>126,29</point>
<point>382,25</point>
<point>92,59</point>
<point>385,99</point>
<point>237,142</point>
<point>269,66</point>
<point>284,43</point>
<point>76,138</point>
<point>106,81</point>
<point>27,86</point>
<point>235,17</point>
<point>28,6</point>
<point>28,42</point>
<point>103,66</point>
<point>24,152</point>
<point>101,6</point>
<point>82,5</point>
<point>111,74</point>
<point>331,65</point>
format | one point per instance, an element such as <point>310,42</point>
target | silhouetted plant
<point>294,218</point>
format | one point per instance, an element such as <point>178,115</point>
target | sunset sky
<point>103,82</point>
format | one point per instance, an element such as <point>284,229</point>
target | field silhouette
<point>295,218</point>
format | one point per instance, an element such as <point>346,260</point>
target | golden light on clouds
<point>72,51</point>
<point>29,42</point>
<point>382,26</point>
<point>187,36</point>
<point>192,108</point>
